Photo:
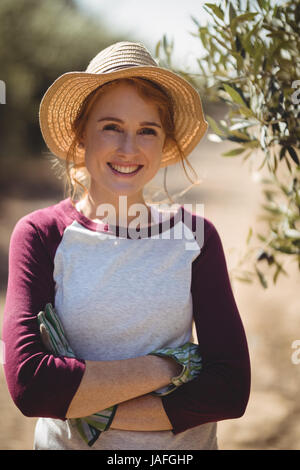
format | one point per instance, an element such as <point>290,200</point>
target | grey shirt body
<point>120,298</point>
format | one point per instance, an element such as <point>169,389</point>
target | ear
<point>81,143</point>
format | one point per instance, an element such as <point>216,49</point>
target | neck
<point>116,210</point>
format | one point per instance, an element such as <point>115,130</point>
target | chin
<point>123,189</point>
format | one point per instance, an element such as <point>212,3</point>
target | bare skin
<point>144,413</point>
<point>126,129</point>
<point>106,383</point>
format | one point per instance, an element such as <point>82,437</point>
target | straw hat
<point>62,100</point>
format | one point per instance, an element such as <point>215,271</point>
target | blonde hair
<point>73,171</point>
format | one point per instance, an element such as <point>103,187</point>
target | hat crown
<point>121,55</point>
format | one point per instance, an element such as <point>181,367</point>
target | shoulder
<point>45,218</point>
<point>203,229</point>
<point>42,225</point>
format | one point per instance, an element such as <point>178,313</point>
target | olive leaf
<point>250,65</point>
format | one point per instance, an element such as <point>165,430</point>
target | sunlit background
<point>149,21</point>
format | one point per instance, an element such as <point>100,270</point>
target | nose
<point>128,145</point>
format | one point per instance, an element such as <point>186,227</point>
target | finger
<point>45,337</point>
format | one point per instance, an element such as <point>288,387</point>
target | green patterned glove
<point>52,333</point>
<point>188,355</point>
<point>54,338</point>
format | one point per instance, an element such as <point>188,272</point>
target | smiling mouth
<point>125,170</point>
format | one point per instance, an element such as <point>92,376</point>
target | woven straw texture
<point>62,100</point>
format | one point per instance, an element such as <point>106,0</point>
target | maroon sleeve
<point>40,384</point>
<point>222,389</point>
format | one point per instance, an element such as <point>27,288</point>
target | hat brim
<point>62,100</point>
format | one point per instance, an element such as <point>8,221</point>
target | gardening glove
<point>52,333</point>
<point>54,338</point>
<point>188,355</point>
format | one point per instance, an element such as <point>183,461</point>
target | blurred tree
<point>252,64</point>
<point>39,40</point>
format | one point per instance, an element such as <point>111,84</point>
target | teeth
<point>125,169</point>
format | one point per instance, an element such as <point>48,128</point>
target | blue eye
<point>111,127</point>
<point>148,131</point>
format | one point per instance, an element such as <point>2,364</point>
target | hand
<point>55,341</point>
<point>45,337</point>
<point>52,332</point>
<point>174,368</point>
<point>188,356</point>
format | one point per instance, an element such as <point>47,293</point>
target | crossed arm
<point>127,382</point>
<point>144,413</point>
<point>42,385</point>
<point>222,389</point>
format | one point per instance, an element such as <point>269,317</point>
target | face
<point>123,141</point>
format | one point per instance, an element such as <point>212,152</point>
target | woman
<point>121,289</point>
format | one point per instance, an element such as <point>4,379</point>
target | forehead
<point>124,98</point>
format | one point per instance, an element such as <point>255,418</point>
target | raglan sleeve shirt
<point>42,385</point>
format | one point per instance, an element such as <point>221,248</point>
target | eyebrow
<point>144,123</point>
